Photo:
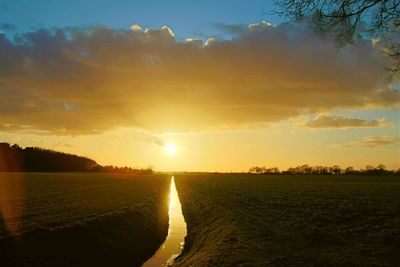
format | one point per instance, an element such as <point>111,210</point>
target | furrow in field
<point>251,220</point>
<point>100,219</point>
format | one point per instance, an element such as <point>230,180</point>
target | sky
<point>227,83</point>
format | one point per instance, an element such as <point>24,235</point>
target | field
<point>266,220</point>
<point>81,219</point>
<point>86,219</point>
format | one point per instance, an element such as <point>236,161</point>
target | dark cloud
<point>325,121</point>
<point>79,81</point>
<point>234,29</point>
<point>7,27</point>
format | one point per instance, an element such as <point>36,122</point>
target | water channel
<point>173,244</point>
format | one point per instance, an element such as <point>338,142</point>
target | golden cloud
<point>325,121</point>
<point>373,142</point>
<point>79,81</point>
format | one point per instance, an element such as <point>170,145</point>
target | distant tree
<point>9,157</point>
<point>350,170</point>
<point>323,170</point>
<point>381,169</point>
<point>349,20</point>
<point>257,170</point>
<point>369,168</point>
<point>275,170</point>
<point>318,170</point>
<point>305,169</point>
<point>264,170</point>
<point>336,170</point>
<point>14,158</point>
<point>290,171</point>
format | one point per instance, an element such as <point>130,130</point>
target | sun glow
<point>170,149</point>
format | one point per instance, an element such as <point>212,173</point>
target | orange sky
<point>273,95</point>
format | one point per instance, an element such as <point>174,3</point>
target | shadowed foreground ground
<point>257,220</point>
<point>81,219</point>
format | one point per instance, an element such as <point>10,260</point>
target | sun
<point>170,149</point>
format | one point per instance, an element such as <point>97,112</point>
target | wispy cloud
<point>150,138</point>
<point>325,121</point>
<point>145,78</point>
<point>7,27</point>
<point>61,145</point>
<point>373,142</point>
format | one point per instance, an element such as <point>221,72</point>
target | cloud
<point>61,145</point>
<point>231,29</point>
<point>261,26</point>
<point>7,27</point>
<point>147,137</point>
<point>324,121</point>
<point>242,29</point>
<point>84,81</point>
<point>14,128</point>
<point>136,27</point>
<point>373,142</point>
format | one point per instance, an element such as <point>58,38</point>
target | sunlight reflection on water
<point>173,245</point>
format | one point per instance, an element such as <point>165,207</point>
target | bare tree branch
<point>349,20</point>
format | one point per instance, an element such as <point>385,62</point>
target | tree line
<point>325,170</point>
<point>14,158</point>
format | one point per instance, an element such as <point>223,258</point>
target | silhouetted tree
<point>323,170</point>
<point>32,159</point>
<point>381,168</point>
<point>10,157</point>
<point>264,170</point>
<point>336,170</point>
<point>351,170</point>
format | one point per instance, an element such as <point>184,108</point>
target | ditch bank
<point>126,237</point>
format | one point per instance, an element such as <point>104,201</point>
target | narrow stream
<point>173,245</point>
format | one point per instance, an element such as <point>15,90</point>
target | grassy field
<point>81,219</point>
<point>265,220</point>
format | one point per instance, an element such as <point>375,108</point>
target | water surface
<point>173,245</point>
